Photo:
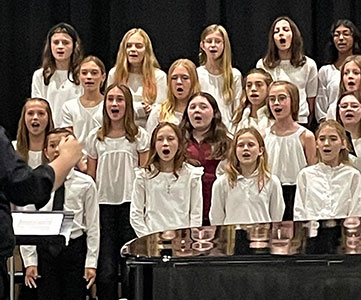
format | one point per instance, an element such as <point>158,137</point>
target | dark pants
<point>115,231</point>
<point>62,275</point>
<point>4,280</point>
<point>289,192</point>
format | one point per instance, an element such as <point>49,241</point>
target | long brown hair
<point>217,133</point>
<point>267,78</point>
<point>48,60</point>
<point>150,64</point>
<point>153,159</point>
<point>226,60</point>
<point>272,58</point>
<point>22,136</point>
<point>131,129</point>
<point>98,62</point>
<point>233,168</point>
<point>168,107</point>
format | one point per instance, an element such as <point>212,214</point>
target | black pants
<point>4,280</point>
<point>62,275</point>
<point>289,193</point>
<point>115,231</point>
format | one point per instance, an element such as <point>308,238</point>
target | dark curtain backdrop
<point>174,27</point>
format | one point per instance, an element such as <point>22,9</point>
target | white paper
<point>37,223</point>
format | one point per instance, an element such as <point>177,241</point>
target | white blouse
<point>325,192</point>
<point>244,203</point>
<point>59,90</point>
<point>116,160</point>
<point>304,77</point>
<point>328,85</point>
<point>165,201</point>
<point>153,119</point>
<point>261,123</point>
<point>135,84</point>
<point>213,84</point>
<point>286,156</point>
<point>82,119</point>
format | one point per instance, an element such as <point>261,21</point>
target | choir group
<point>199,146</point>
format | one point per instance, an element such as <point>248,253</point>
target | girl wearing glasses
<point>290,145</point>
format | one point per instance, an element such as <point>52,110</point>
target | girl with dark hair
<point>207,140</point>
<point>247,192</point>
<point>137,67</point>
<point>114,151</point>
<point>167,193</point>
<point>252,110</point>
<point>285,60</point>
<point>56,80</point>
<point>344,40</point>
<point>216,75</point>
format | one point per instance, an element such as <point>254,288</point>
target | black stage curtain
<point>173,26</point>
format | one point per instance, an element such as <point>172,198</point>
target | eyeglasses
<point>280,98</point>
<point>352,106</point>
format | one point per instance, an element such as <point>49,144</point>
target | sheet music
<point>37,223</point>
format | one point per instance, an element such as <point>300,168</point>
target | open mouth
<point>349,115</point>
<point>60,52</point>
<point>35,125</point>
<point>115,110</point>
<point>246,155</point>
<point>341,44</point>
<point>198,118</point>
<point>327,150</point>
<point>351,83</point>
<point>213,50</point>
<point>180,89</point>
<point>254,96</point>
<point>282,41</point>
<point>166,151</point>
<point>278,110</point>
<point>133,55</point>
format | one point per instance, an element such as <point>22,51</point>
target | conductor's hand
<point>70,149</point>
<point>89,275</point>
<point>30,276</point>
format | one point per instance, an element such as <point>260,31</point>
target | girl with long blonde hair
<point>216,75</point>
<point>247,192</point>
<point>137,67</point>
<point>182,83</point>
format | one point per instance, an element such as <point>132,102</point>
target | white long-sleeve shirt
<point>59,90</point>
<point>165,201</point>
<point>135,84</point>
<point>328,85</point>
<point>213,84</point>
<point>244,203</point>
<point>80,197</point>
<point>325,192</point>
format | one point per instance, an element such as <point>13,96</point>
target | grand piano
<point>283,260</point>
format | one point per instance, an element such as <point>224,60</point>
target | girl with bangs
<point>344,41</point>
<point>56,80</point>
<point>290,146</point>
<point>332,188</point>
<point>84,113</point>
<point>167,192</point>
<point>182,83</point>
<point>137,67</point>
<point>216,75</point>
<point>207,141</point>
<point>350,80</point>
<point>252,110</point>
<point>114,151</point>
<point>247,192</point>
<point>285,60</point>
